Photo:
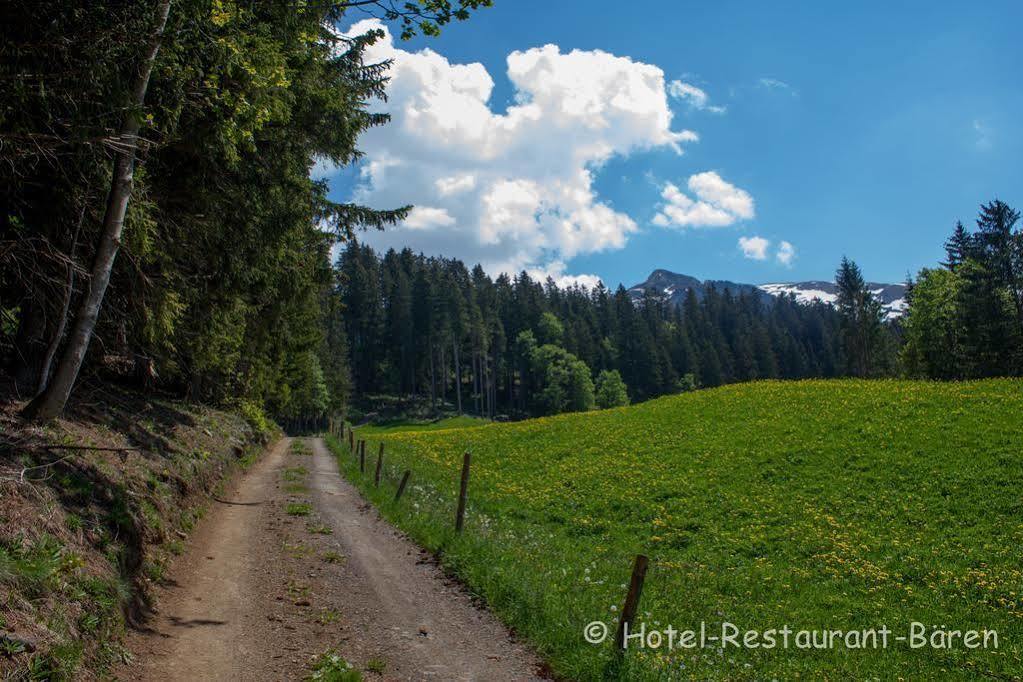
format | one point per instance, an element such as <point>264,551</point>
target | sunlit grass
<point>818,504</point>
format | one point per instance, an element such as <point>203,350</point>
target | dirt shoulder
<point>93,508</point>
<point>262,592</point>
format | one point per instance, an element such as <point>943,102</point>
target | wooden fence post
<point>362,456</point>
<point>380,463</point>
<point>401,486</point>
<point>351,440</point>
<point>463,493</point>
<point>631,600</point>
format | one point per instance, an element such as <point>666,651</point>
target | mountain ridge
<point>674,285</point>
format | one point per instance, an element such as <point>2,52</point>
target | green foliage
<point>332,667</point>
<point>549,330</point>
<point>933,347</point>
<point>687,382</point>
<point>35,568</point>
<point>225,289</point>
<point>611,390</point>
<point>564,381</point>
<point>820,504</point>
<point>298,509</point>
<point>256,417</point>
<point>966,319</point>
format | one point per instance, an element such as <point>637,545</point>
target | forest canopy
<point>180,134</point>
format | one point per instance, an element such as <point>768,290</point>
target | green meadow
<point>817,505</point>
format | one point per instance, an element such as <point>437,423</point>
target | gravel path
<point>258,594</point>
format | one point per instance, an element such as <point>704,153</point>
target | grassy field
<point>402,425</point>
<point>818,505</point>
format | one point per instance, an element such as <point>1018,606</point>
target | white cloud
<point>754,248</point>
<point>777,85</point>
<point>695,97</point>
<point>717,203</point>
<point>786,253</point>
<point>511,190</point>
<point>453,184</point>
<point>556,271</point>
<point>428,217</point>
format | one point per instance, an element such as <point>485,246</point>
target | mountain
<point>674,287</point>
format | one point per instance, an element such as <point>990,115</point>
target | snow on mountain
<point>891,296</point>
<point>805,292</point>
<point>674,286</point>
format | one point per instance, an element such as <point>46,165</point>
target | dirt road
<point>259,593</point>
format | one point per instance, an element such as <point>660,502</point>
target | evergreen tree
<point>861,319</point>
<point>959,247</point>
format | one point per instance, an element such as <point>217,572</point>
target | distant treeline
<point>517,346</point>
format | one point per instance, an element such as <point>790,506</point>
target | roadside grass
<point>45,569</point>
<point>297,550</point>
<point>298,590</point>
<point>294,474</point>
<point>332,667</point>
<point>333,557</point>
<point>298,509</point>
<point>817,504</point>
<point>327,616</point>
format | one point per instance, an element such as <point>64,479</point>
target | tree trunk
<point>458,375</point>
<point>485,361</point>
<point>50,403</point>
<point>433,381</point>
<point>443,373</point>
<point>58,334</point>
<point>475,384</point>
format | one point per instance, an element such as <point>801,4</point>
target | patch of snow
<point>896,309</point>
<point>892,310</point>
<point>802,295</point>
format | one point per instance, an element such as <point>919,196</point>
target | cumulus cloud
<point>754,248</point>
<point>511,190</point>
<point>717,203</point>
<point>786,253</point>
<point>695,97</point>
<point>427,217</point>
<point>556,271</point>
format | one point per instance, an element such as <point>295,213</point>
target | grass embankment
<point>819,504</point>
<point>85,534</point>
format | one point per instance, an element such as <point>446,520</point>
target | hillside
<point>93,507</point>
<point>817,504</point>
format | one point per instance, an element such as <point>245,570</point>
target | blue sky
<point>864,130</point>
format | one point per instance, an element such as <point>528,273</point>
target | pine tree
<point>958,247</point>
<point>862,319</point>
